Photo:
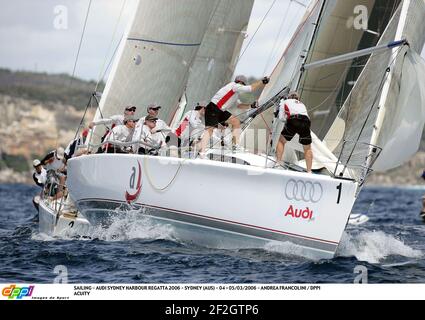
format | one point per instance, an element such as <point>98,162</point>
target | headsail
<point>286,73</point>
<point>153,62</point>
<point>215,61</point>
<point>378,108</point>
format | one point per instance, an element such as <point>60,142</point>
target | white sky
<point>29,40</point>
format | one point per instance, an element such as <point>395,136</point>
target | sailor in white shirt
<point>294,113</point>
<point>143,133</point>
<point>115,120</point>
<point>216,111</point>
<point>40,174</point>
<point>192,126</point>
<point>121,134</point>
<point>54,161</point>
<point>161,130</point>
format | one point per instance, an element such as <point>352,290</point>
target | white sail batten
<point>152,65</point>
<point>216,59</point>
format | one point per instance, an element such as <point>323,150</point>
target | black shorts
<point>300,125</point>
<point>215,116</point>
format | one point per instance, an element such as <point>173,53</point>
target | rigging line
<point>109,64</point>
<point>81,42</point>
<point>255,33</point>
<point>277,37</point>
<point>100,78</point>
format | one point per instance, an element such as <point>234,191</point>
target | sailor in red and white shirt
<point>294,113</point>
<point>217,112</point>
<point>192,126</point>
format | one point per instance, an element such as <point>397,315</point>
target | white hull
<point>240,200</point>
<point>62,225</point>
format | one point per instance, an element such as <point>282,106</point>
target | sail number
<point>339,188</point>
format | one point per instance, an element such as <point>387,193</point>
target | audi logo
<point>303,191</point>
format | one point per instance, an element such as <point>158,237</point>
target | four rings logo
<point>304,191</point>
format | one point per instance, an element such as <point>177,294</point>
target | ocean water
<point>391,245</point>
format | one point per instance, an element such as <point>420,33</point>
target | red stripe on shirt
<point>288,114</point>
<point>226,98</point>
<point>182,127</point>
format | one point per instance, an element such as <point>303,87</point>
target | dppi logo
<point>131,197</point>
<point>15,292</point>
<point>305,214</point>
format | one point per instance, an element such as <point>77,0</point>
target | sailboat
<point>235,198</point>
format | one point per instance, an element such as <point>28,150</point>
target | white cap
<point>60,153</point>
<point>36,163</point>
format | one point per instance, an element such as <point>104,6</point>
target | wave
<point>374,247</point>
<point>133,226</point>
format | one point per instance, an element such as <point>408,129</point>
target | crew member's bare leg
<point>205,139</point>
<point>308,153</point>
<point>280,149</point>
<point>236,129</point>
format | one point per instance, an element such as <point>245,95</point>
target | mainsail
<point>386,106</point>
<point>215,61</point>
<point>152,65</point>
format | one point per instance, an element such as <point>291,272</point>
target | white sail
<point>403,110</point>
<point>346,26</point>
<point>285,74</point>
<point>380,105</point>
<point>286,71</point>
<point>153,62</point>
<point>215,61</point>
<point>401,136</point>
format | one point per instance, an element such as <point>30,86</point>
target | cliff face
<point>29,129</point>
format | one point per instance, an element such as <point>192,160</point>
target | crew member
<point>116,119</point>
<point>161,130</point>
<point>294,113</point>
<point>192,126</point>
<point>73,150</point>
<point>40,174</point>
<point>54,161</point>
<point>144,141</point>
<point>217,112</point>
<point>120,134</point>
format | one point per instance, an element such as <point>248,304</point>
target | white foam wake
<point>133,226</point>
<point>290,249</point>
<point>373,247</point>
